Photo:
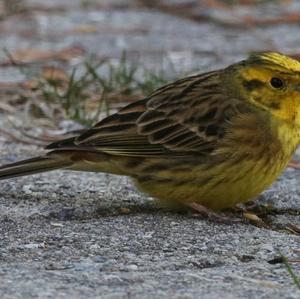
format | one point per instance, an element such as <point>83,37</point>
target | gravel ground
<point>82,234</point>
<point>75,235</point>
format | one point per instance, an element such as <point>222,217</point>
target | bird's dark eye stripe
<point>253,84</point>
<point>277,82</point>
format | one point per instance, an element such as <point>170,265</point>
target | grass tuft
<point>291,271</point>
<point>93,88</point>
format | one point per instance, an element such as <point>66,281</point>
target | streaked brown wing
<point>185,117</point>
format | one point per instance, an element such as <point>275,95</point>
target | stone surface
<point>95,235</point>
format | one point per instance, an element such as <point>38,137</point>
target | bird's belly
<point>217,187</point>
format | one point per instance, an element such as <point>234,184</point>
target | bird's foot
<point>294,164</point>
<point>212,215</point>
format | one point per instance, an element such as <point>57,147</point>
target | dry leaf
<point>33,55</point>
<point>9,85</point>
<point>5,107</point>
<point>254,218</point>
<point>84,29</point>
<point>293,228</point>
<point>67,54</point>
<point>54,74</point>
<point>125,210</point>
<point>31,84</point>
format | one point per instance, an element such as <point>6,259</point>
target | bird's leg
<point>210,214</point>
<point>294,164</point>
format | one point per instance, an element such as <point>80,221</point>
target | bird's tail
<point>34,165</point>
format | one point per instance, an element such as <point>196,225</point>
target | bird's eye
<point>276,83</point>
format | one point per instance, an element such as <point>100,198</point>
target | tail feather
<point>32,166</point>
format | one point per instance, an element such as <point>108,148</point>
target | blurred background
<point>66,63</point>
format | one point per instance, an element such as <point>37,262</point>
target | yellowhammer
<point>207,141</point>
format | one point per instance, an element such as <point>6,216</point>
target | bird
<point>207,142</point>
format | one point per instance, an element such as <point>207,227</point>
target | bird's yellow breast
<point>245,164</point>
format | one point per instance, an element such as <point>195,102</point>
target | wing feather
<point>183,118</point>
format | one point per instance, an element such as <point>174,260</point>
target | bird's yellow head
<point>270,81</point>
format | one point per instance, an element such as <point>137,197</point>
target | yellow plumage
<point>213,140</point>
